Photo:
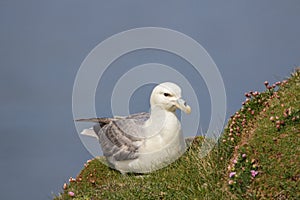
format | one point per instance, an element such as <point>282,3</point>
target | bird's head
<point>168,97</point>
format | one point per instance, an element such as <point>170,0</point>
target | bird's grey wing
<point>100,121</point>
<point>121,139</point>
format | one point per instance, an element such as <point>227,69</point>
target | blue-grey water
<point>42,45</point>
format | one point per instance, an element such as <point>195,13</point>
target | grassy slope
<point>259,149</point>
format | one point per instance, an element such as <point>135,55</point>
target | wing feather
<point>121,138</point>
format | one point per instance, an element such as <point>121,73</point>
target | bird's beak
<point>181,104</point>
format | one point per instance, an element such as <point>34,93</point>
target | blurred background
<point>43,43</point>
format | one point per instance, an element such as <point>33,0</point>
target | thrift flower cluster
<point>73,180</point>
<point>243,169</point>
<point>288,113</point>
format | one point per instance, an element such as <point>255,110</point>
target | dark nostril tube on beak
<point>182,105</point>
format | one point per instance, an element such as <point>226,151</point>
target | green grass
<point>259,148</point>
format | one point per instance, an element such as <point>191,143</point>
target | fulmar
<point>143,142</point>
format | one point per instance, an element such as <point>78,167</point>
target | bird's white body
<point>159,150</point>
<point>150,145</point>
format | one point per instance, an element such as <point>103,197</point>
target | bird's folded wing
<point>120,138</point>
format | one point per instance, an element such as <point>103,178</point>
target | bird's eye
<point>167,94</point>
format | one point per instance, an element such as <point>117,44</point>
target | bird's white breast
<point>162,148</point>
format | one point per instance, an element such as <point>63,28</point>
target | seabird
<point>144,142</point>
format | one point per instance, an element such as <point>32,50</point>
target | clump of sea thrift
<point>242,171</point>
<point>71,194</point>
<point>288,115</point>
<point>232,174</point>
<point>71,179</point>
<point>244,167</point>
<point>253,173</point>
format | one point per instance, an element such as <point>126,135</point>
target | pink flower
<point>278,126</point>
<point>71,194</point>
<point>234,161</point>
<point>230,182</point>
<point>253,173</point>
<point>266,83</point>
<point>72,179</point>
<point>232,174</point>
<point>244,155</point>
<point>247,95</point>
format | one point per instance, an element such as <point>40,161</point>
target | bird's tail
<point>89,132</point>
